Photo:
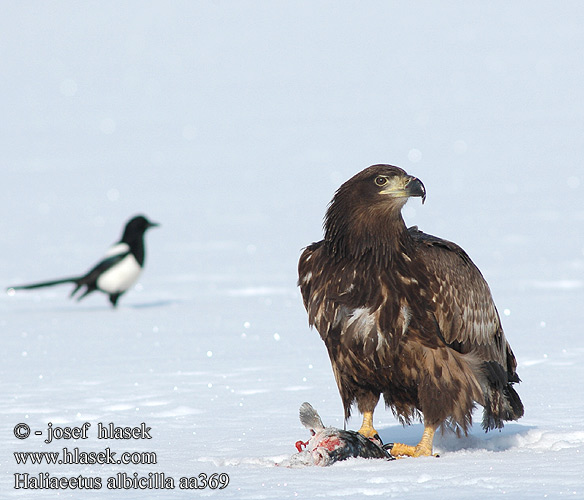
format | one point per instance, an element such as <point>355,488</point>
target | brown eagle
<point>405,314</point>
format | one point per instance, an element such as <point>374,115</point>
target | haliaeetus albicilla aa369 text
<point>405,314</point>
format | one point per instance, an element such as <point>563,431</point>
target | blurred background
<point>233,123</point>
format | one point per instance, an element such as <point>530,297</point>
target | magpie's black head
<point>136,227</point>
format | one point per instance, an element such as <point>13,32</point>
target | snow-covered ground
<point>231,124</point>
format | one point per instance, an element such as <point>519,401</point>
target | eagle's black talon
<point>387,448</point>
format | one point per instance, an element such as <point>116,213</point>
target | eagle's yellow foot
<point>367,428</point>
<point>422,449</point>
<point>404,450</point>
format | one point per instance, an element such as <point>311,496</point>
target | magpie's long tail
<point>42,284</point>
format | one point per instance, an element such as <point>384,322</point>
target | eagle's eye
<point>380,181</point>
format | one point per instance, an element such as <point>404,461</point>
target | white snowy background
<point>232,123</point>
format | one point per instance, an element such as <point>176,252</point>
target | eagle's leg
<point>422,449</point>
<point>367,428</point>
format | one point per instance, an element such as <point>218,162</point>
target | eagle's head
<point>365,212</point>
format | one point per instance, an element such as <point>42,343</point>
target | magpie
<point>116,272</point>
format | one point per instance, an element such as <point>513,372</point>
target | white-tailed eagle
<point>405,315</point>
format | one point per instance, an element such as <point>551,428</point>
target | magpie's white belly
<point>120,277</point>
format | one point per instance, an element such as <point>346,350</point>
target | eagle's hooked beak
<point>414,187</point>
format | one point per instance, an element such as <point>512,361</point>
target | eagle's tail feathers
<point>501,406</point>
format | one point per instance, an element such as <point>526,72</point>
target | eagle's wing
<point>345,310</point>
<point>337,299</point>
<point>461,300</point>
<point>314,273</point>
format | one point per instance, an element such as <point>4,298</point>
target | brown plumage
<point>404,314</point>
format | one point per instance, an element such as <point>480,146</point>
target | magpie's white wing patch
<point>117,249</point>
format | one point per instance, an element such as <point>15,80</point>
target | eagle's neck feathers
<point>381,238</point>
